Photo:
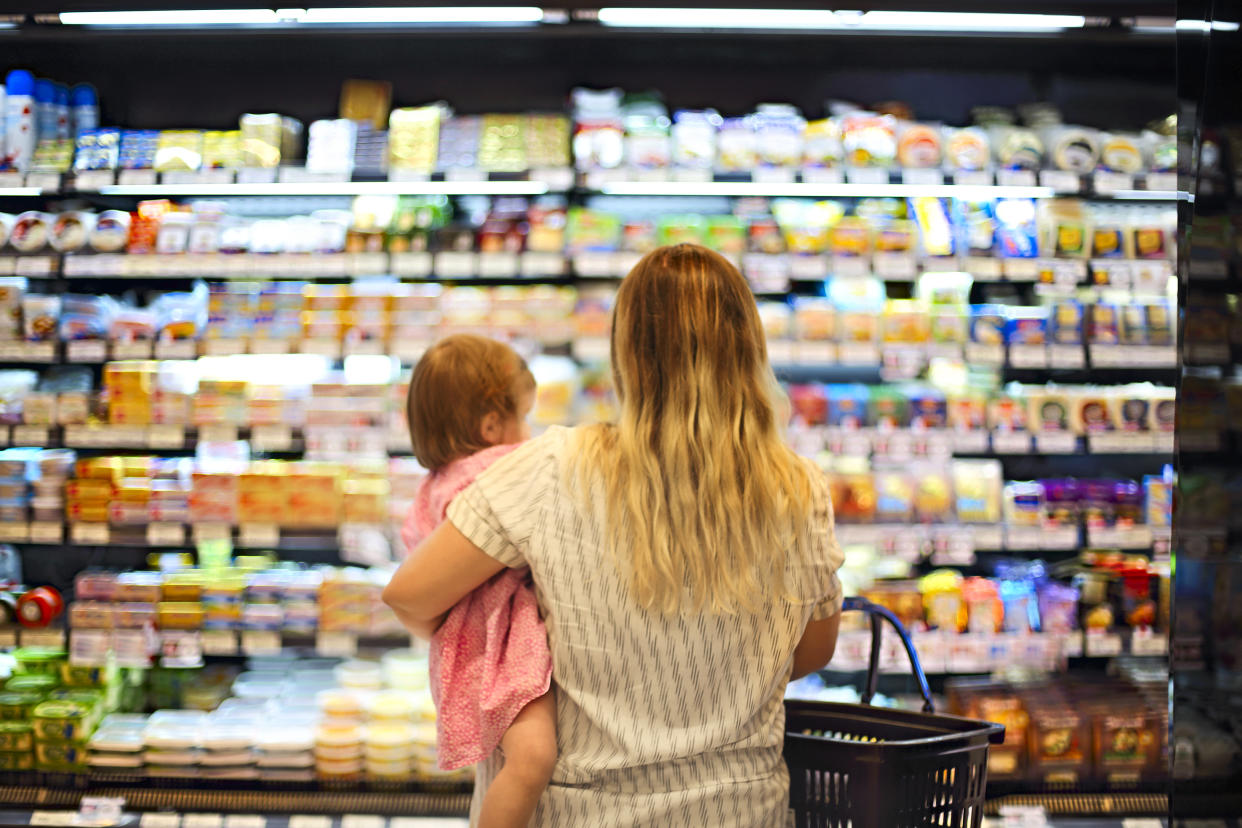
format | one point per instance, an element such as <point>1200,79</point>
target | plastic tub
<point>360,675</point>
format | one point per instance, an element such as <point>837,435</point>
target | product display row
<point>892,231</point>
<point>281,720</point>
<point>1111,731</point>
<point>610,130</point>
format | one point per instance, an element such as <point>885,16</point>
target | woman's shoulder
<point>530,457</point>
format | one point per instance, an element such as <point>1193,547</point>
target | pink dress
<point>490,657</point>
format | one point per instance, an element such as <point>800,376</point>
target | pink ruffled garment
<point>490,657</point>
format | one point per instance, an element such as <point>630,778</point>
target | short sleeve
<point>827,556</point>
<point>497,512</point>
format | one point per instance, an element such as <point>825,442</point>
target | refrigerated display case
<point>961,233</point>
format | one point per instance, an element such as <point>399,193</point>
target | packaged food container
<point>67,721</point>
<point>361,675</point>
<point>16,761</point>
<point>42,661</point>
<point>40,684</point>
<point>18,706</point>
<point>16,736</point>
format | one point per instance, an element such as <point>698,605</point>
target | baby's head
<point>468,393</point>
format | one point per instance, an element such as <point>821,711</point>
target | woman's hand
<point>441,570</point>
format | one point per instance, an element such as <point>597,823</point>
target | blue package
<point>847,404</point>
<point>987,324</point>
<point>975,222</point>
<point>1026,326</point>
<point>1065,322</point>
<point>1017,234</point>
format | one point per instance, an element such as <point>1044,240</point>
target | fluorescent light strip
<point>343,189</point>
<point>426,14</point>
<point>191,17</point>
<point>1150,195</point>
<point>1206,26</point>
<point>746,188</point>
<point>836,20</point>
<point>9,192</point>
<point>969,22</point>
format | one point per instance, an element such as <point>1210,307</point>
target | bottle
<point>45,109</point>
<point>85,106</point>
<point>19,119</point>
<point>60,106</point>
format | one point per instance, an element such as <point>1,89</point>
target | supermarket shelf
<point>767,272</point>
<point>287,181</point>
<point>886,445</point>
<point>1110,809</point>
<point>955,544</point>
<point>980,653</point>
<point>184,795</point>
<point>178,535</point>
<point>773,182</point>
<point>877,183</point>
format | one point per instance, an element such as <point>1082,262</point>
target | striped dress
<point>661,720</point>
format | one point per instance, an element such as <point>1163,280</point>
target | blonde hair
<point>459,381</point>
<point>704,503</point>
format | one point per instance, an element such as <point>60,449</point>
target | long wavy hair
<point>704,503</point>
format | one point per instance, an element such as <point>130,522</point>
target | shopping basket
<point>857,766</point>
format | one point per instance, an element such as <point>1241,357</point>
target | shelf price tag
<point>258,534</point>
<point>978,353</point>
<point>54,639</point>
<point>211,532</point>
<point>15,532</point>
<point>858,353</point>
<point>219,642</point>
<point>166,534</point>
<point>46,531</point>
<point>166,437</point>
<point>336,644</point>
<point>89,534</point>
<point>176,349</point>
<point>1015,178</point>
<point>271,438</point>
<point>1107,183</point>
<point>139,349</point>
<point>1028,356</point>
<point>1066,356</point>
<point>203,821</point>
<point>217,434</point>
<point>1011,442</point>
<point>224,347</point>
<point>1100,644</point>
<point>1059,538</point>
<point>1060,180</point>
<point>1144,642</point>
<point>309,821</point>
<point>772,175</point>
<point>160,821</point>
<point>808,266</point>
<point>867,175</point>
<point>1056,442</point>
<point>1023,538</point>
<point>498,265</point>
<point>922,176</point>
<point>895,266</point>
<point>245,821</point>
<point>29,435</point>
<point>260,642</point>
<point>970,442</point>
<point>86,350</point>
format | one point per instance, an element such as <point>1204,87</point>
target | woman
<point>684,561</point>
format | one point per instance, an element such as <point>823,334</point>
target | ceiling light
<point>189,17</point>
<point>809,190</point>
<point>427,15</point>
<point>836,20</point>
<point>969,21</point>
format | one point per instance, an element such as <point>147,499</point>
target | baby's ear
<point>492,428</point>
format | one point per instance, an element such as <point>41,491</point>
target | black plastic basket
<point>857,766</point>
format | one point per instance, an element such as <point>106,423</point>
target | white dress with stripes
<point>661,720</point>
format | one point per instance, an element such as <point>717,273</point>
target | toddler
<point>491,669</point>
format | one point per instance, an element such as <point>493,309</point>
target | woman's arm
<point>818,643</point>
<point>439,572</point>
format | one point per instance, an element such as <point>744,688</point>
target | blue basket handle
<point>875,613</point>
